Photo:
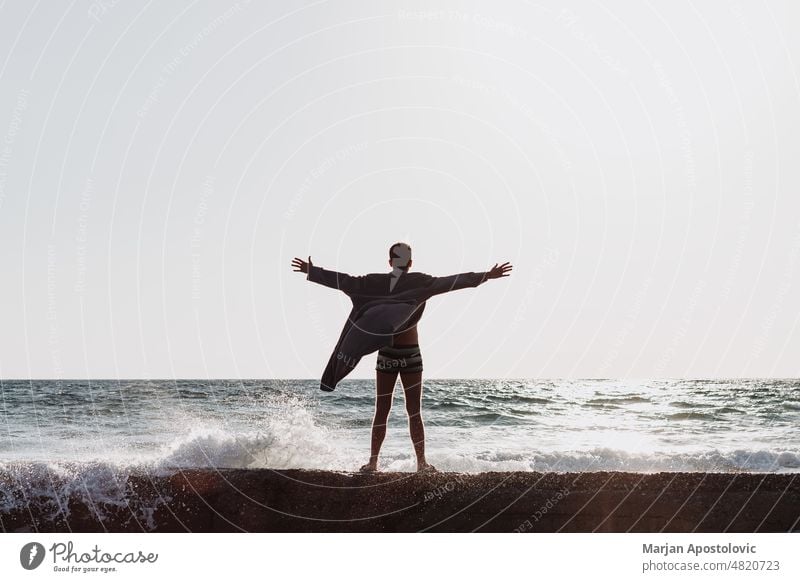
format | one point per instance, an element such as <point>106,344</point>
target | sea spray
<point>50,490</point>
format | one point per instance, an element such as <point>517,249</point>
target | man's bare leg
<point>384,390</point>
<point>412,389</point>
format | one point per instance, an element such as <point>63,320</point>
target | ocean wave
<point>491,418</point>
<point>622,399</point>
<point>729,410</point>
<point>691,416</point>
<point>691,405</point>
<point>608,459</point>
<point>289,438</point>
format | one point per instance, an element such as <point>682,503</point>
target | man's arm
<point>439,285</point>
<point>342,281</point>
<point>462,280</point>
<point>347,283</point>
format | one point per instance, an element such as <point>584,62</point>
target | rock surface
<point>263,500</point>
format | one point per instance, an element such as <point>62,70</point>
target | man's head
<point>400,256</point>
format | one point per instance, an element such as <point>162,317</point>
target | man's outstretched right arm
<point>342,281</point>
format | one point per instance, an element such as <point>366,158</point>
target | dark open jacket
<point>378,314</point>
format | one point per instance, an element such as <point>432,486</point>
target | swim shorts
<point>399,358</point>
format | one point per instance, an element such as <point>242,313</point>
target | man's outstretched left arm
<point>462,280</point>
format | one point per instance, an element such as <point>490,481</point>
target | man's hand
<point>499,271</point>
<point>300,266</point>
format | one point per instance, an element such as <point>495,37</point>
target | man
<point>386,310</point>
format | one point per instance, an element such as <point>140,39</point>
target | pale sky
<point>637,162</point>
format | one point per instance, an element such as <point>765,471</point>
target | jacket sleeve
<point>342,281</point>
<point>440,285</point>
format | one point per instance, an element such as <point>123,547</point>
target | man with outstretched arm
<point>386,310</point>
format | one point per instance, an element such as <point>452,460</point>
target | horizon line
<point>428,378</point>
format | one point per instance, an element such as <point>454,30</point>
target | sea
<point>471,426</point>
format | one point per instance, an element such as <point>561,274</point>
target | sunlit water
<point>471,425</point>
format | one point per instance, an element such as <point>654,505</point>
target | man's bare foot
<point>426,468</point>
<point>369,468</point>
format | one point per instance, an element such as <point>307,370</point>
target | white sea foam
<point>291,440</point>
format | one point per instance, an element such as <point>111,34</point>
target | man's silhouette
<point>386,310</point>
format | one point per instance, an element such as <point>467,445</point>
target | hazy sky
<point>637,162</point>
